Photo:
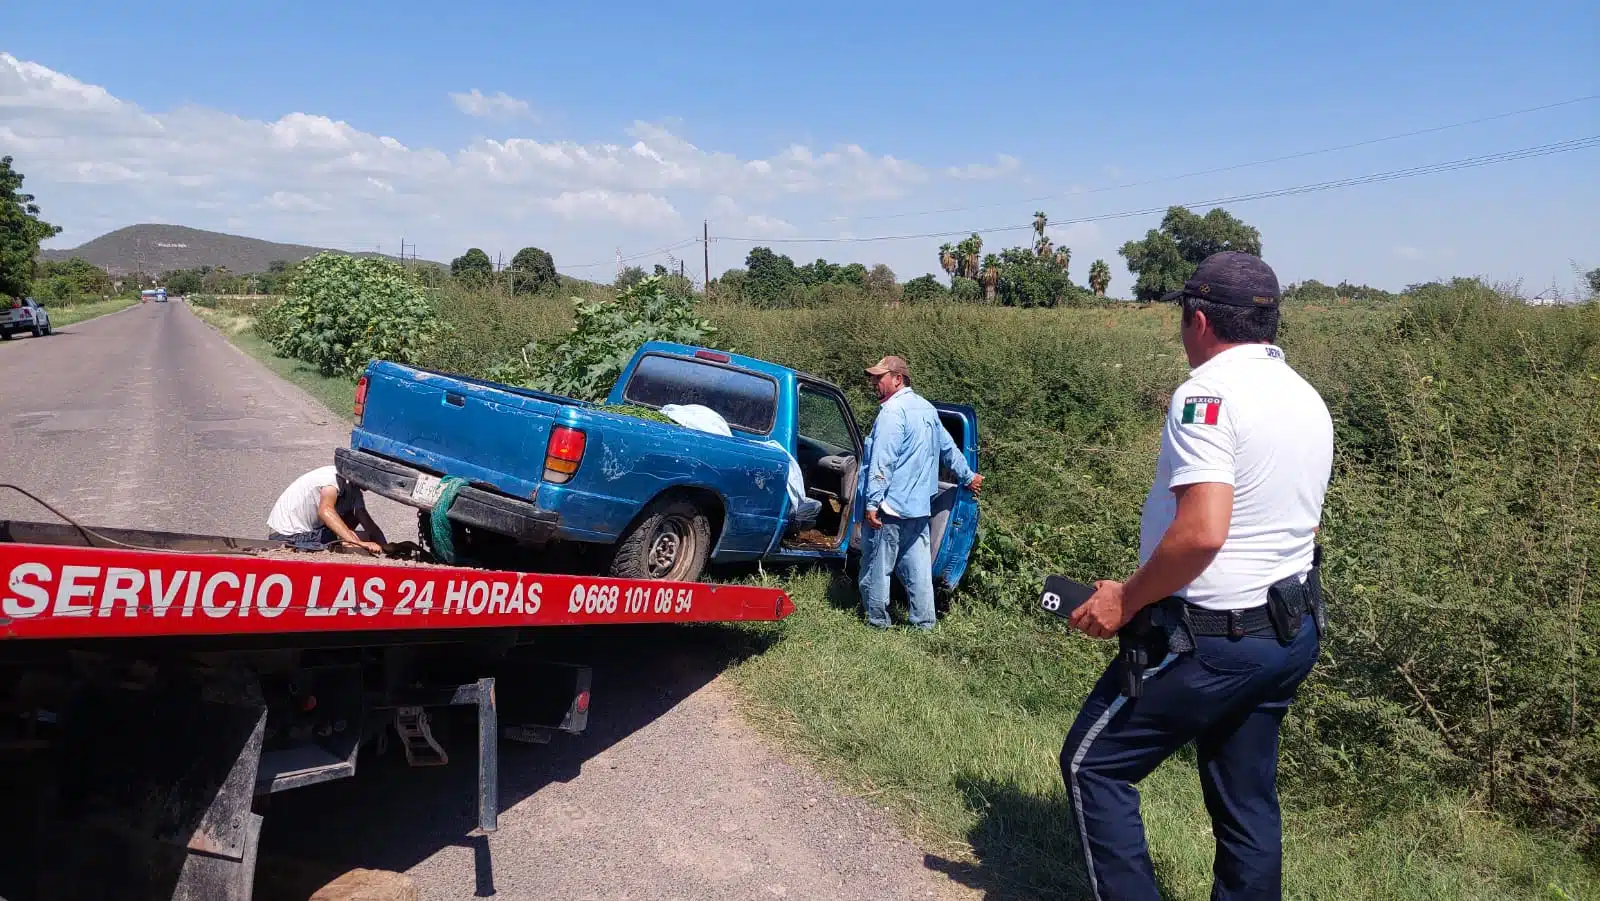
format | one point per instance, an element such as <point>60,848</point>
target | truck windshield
<point>749,402</point>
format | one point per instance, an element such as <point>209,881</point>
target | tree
<point>881,284</point>
<point>1030,280</point>
<point>965,290</point>
<point>947,260</point>
<point>532,269</point>
<point>1099,277</point>
<point>1041,244</point>
<point>21,232</point>
<point>182,282</point>
<point>629,277</point>
<point>472,268</point>
<point>853,274</point>
<point>1593,278</point>
<point>1167,256</point>
<point>772,277</point>
<point>63,279</point>
<point>990,277</point>
<point>819,273</point>
<point>968,254</point>
<point>923,288</point>
<point>343,312</point>
<point>729,287</point>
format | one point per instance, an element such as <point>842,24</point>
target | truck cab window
<point>749,402</point>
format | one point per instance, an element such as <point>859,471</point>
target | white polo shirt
<point>296,510</point>
<point>1245,418</point>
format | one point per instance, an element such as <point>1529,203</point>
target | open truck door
<point>953,526</point>
<point>953,520</point>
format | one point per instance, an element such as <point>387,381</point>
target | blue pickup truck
<point>657,500</point>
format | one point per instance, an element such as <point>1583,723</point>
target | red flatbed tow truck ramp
<point>166,681</point>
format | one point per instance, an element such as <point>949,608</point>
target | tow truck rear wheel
<point>670,541</point>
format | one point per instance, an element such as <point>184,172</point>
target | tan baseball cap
<point>890,364</point>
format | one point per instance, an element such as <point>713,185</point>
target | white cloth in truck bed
<point>705,419</point>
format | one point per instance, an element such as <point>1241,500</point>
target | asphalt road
<point>148,418</point>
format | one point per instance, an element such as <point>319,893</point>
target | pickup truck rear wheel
<point>670,541</point>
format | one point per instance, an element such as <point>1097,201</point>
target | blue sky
<point>589,127</point>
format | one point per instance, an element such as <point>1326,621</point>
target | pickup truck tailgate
<point>475,430</point>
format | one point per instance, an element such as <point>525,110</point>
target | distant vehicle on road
<point>25,315</point>
<point>159,295</point>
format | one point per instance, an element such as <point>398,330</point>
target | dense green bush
<point>585,362</point>
<point>1462,525</point>
<point>343,311</point>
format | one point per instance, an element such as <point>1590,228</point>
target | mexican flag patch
<point>1201,410</point>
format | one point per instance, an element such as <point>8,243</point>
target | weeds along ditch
<point>1462,527</point>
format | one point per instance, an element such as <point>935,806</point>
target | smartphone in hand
<point>1061,596</point>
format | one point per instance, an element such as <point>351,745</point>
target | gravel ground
<point>149,419</point>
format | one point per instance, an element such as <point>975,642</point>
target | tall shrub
<point>343,311</point>
<point>585,362</point>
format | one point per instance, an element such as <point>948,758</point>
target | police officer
<point>1229,527</point>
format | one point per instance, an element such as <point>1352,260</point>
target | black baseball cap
<point>1233,278</point>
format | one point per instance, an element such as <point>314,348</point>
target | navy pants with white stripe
<point>1228,696</point>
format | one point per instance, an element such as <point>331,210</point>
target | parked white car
<point>25,315</point>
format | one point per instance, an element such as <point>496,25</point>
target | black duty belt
<point>1231,623</point>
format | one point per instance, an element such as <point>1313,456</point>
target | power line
<point>1236,166</point>
<point>1315,187</point>
<point>638,256</point>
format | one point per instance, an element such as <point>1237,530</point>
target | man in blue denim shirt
<point>899,481</point>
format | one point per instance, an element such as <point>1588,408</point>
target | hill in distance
<point>158,248</point>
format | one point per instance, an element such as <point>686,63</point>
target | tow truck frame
<point>163,683</point>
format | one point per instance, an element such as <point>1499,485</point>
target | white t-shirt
<point>296,509</point>
<point>1245,418</point>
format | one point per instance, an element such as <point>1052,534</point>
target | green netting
<point>444,546</point>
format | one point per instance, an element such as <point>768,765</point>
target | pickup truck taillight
<point>563,453</point>
<point>361,399</point>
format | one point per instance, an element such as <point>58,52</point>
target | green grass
<point>1448,745</point>
<point>959,731</point>
<point>63,316</point>
<point>334,392</point>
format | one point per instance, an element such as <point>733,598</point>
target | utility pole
<point>705,245</point>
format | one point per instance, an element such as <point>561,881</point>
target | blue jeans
<point>314,540</point>
<point>899,546</point>
<point>1229,697</point>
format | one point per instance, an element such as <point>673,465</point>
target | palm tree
<point>947,259</point>
<point>990,276</point>
<point>969,252</point>
<point>1099,277</point>
<point>1040,220</point>
<point>1063,257</point>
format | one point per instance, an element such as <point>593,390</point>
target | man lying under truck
<point>321,508</point>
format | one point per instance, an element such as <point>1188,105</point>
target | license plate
<point>427,489</point>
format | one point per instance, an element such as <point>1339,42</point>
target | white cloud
<point>730,218</point>
<point>1004,165</point>
<point>600,204</point>
<point>97,162</point>
<point>1407,252</point>
<point>498,105</point>
<point>293,202</point>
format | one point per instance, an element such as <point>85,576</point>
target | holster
<point>1160,627</point>
<point>1289,600</point>
<point>1133,653</point>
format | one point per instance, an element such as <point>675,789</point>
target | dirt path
<point>147,418</point>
